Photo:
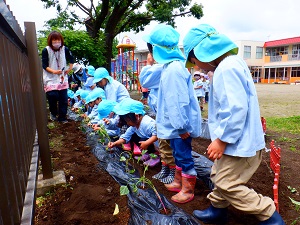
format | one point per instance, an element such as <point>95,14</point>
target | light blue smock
<point>94,115</point>
<point>233,113</point>
<point>199,91</point>
<point>146,130</point>
<point>178,110</point>
<point>116,91</point>
<point>150,78</point>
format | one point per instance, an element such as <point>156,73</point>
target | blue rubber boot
<point>275,219</point>
<point>212,215</point>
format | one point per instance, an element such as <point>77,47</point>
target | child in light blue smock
<point>81,96</point>
<point>178,115</point>
<point>89,84</point>
<point>199,87</point>
<point>95,97</point>
<point>150,78</point>
<point>141,131</point>
<point>106,117</point>
<point>235,128</point>
<point>114,90</point>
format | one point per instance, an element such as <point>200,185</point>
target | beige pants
<point>230,175</point>
<point>166,152</point>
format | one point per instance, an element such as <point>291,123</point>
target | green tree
<point>112,17</point>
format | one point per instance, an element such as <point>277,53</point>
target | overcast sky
<point>259,20</point>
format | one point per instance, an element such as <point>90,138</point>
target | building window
<point>295,72</point>
<point>296,52</point>
<point>259,52</point>
<point>247,52</point>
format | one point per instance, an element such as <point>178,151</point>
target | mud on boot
<point>187,191</point>
<point>175,186</point>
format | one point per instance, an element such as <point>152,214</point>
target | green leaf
<point>122,159</point>
<point>295,202</point>
<point>153,156</point>
<point>124,190</point>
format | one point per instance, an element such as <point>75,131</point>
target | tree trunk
<point>108,51</point>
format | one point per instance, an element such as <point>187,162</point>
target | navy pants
<point>182,152</point>
<point>58,103</point>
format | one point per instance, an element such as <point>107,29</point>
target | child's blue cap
<point>84,94</point>
<point>101,73</point>
<point>128,105</point>
<point>77,93</point>
<point>70,93</point>
<point>164,39</point>
<point>97,93</point>
<point>89,82</point>
<point>208,44</point>
<point>88,99</point>
<point>105,108</point>
<point>91,70</point>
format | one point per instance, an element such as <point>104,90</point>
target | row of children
<point>110,106</point>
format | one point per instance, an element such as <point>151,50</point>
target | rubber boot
<point>126,146</point>
<point>212,215</point>
<point>175,186</point>
<point>164,172</point>
<point>136,149</point>
<point>275,219</point>
<point>170,178</point>
<point>152,162</point>
<point>187,191</point>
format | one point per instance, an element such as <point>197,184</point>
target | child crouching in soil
<point>141,131</point>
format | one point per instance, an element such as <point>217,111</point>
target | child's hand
<point>111,144</point>
<point>94,126</point>
<point>106,121</point>
<point>184,135</point>
<point>74,85</point>
<point>143,145</point>
<point>83,115</point>
<point>216,149</point>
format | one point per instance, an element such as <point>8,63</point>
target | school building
<point>276,61</point>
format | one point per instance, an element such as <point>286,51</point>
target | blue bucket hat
<point>105,108</point>
<point>91,70</point>
<point>84,94</point>
<point>164,39</point>
<point>101,73</point>
<point>208,44</point>
<point>97,93</point>
<point>88,98</point>
<point>70,93</point>
<point>128,105</point>
<point>89,82</point>
<point>77,93</point>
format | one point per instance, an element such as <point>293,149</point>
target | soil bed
<point>90,195</point>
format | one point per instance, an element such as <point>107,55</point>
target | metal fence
<point>22,116</point>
